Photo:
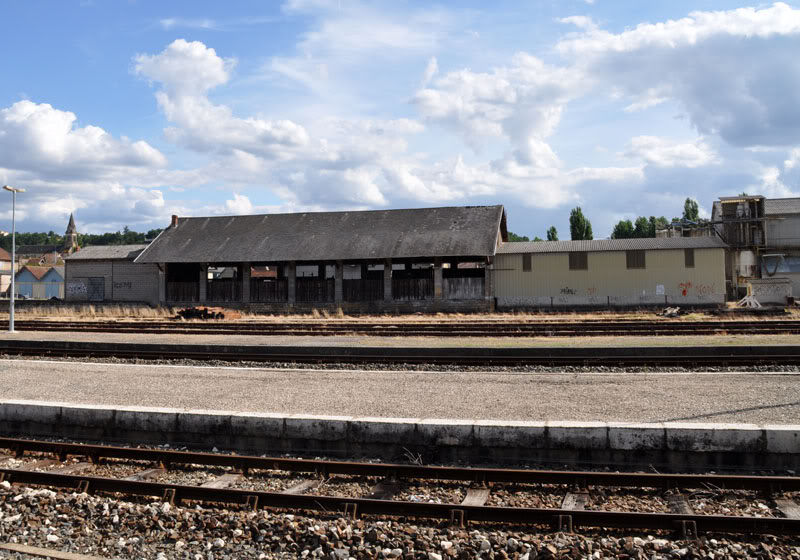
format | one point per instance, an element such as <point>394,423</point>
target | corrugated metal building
<point>610,272</point>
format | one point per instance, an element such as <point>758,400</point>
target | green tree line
<point>124,237</point>
<point>581,228</point>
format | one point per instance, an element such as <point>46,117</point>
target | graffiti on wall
<point>123,285</point>
<point>567,291</point>
<point>76,289</point>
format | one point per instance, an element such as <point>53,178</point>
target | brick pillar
<point>387,280</point>
<point>246,282</point>
<point>338,275</point>
<point>437,278</point>
<point>203,280</point>
<point>291,280</point>
<point>162,283</point>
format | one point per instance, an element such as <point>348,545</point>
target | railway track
<point>433,329</point>
<point>655,356</point>
<point>72,464</point>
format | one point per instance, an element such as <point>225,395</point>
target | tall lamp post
<point>13,192</point>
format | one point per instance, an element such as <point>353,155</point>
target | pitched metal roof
<point>107,252</point>
<point>782,206</point>
<point>326,236</point>
<point>595,245</point>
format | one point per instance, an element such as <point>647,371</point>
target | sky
<point>126,112</point>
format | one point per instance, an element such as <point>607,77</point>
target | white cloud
<point>170,23</point>
<point>792,159</point>
<point>730,71</point>
<point>187,71</point>
<point>41,139</point>
<point>662,152</point>
<point>430,71</point>
<point>239,205</point>
<point>769,184</point>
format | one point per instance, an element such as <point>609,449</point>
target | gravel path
<point>504,395</point>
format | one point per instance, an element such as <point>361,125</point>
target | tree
<point>579,226</point>
<point>691,211</point>
<point>552,234</point>
<point>537,238</point>
<point>623,230</point>
<point>514,237</point>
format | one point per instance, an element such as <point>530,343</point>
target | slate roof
<point>37,250</point>
<point>107,252</point>
<point>326,236</point>
<point>596,245</point>
<point>774,206</point>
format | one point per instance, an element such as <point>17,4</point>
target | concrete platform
<point>675,446</point>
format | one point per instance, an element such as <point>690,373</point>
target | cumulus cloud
<point>41,138</point>
<point>731,71</point>
<point>186,71</point>
<point>662,152</point>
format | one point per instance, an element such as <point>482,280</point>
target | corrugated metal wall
<point>608,280</point>
<point>784,232</point>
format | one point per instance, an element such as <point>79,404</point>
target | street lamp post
<point>13,192</point>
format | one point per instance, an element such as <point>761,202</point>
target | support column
<point>338,289</point>
<point>321,272</point>
<point>437,278</point>
<point>203,291</point>
<point>488,278</point>
<point>387,280</point>
<point>364,271</point>
<point>246,282</point>
<point>162,283</point>
<point>291,281</point>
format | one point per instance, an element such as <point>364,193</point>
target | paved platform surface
<point>281,340</point>
<point>759,398</point>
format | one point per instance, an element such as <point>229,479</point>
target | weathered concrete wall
<point>124,281</point>
<point>674,446</point>
<point>771,290</point>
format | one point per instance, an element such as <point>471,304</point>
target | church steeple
<point>71,236</point>
<point>71,226</point>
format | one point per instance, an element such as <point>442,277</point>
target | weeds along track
<point>564,500</point>
<point>464,328</point>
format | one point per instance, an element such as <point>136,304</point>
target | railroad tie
<point>146,474</point>
<point>39,552</point>
<point>575,500</point>
<point>223,481</point>
<point>476,497</point>
<point>302,487</point>
<point>74,469</point>
<point>384,490</point>
<point>788,507</point>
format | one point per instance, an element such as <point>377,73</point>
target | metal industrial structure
<point>764,239</point>
<point>389,260</point>
<point>611,272</point>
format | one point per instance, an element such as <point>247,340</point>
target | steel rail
<point>466,474</point>
<point>455,329</point>
<point>457,513</point>
<point>478,356</point>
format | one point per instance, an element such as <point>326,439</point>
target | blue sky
<point>128,112</point>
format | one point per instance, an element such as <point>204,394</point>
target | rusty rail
<point>477,328</point>
<point>560,519</point>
